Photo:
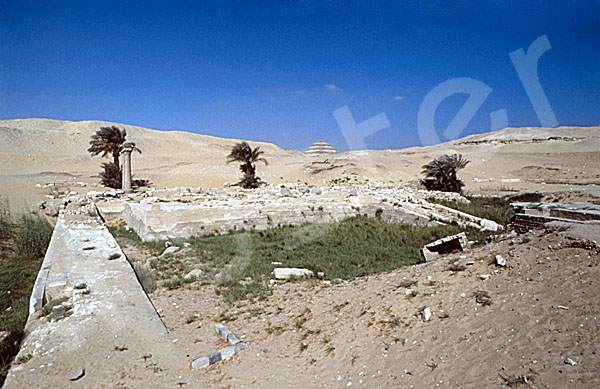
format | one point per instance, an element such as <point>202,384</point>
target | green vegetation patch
<point>492,208</point>
<point>241,263</point>
<point>24,244</point>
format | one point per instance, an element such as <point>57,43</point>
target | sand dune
<point>36,151</point>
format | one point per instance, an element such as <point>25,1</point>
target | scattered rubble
<point>224,353</point>
<point>426,314</point>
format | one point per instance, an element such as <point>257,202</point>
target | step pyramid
<point>320,147</point>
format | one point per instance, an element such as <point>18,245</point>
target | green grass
<point>24,244</point>
<point>33,236</point>
<point>492,208</point>
<point>354,247</point>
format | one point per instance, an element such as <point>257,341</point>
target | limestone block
<point>285,273</point>
<point>489,225</point>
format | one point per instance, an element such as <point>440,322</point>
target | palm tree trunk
<point>116,161</point>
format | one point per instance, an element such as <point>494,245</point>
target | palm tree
<point>108,140</point>
<point>440,174</point>
<point>242,152</point>
<point>111,140</point>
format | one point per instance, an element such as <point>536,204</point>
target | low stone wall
<point>176,220</point>
<point>530,216</point>
<point>86,302</point>
<point>523,223</point>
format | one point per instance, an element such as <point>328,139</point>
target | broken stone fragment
<point>77,375</point>
<point>226,334</point>
<point>170,250</point>
<point>285,273</point>
<point>445,245</point>
<point>218,356</point>
<point>114,256</point>
<point>285,192</point>
<point>489,225</point>
<point>426,314</point>
<point>56,291</point>
<point>316,190</point>
<point>569,361</point>
<point>484,276</point>
<point>500,261</point>
<point>192,275</point>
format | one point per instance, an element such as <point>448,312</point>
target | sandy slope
<point>41,151</point>
<point>368,332</point>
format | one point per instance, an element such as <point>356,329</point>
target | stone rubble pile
<point>184,211</point>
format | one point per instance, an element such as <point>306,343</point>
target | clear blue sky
<point>277,72</point>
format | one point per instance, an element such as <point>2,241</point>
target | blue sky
<point>277,71</point>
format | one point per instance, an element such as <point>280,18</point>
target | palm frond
<point>441,173</point>
<point>243,153</point>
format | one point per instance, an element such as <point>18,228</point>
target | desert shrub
<point>33,236</point>
<point>493,208</point>
<point>173,283</point>
<point>141,183</point>
<point>124,234</point>
<point>111,176</point>
<point>146,278</point>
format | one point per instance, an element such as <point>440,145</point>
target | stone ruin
<point>185,212</point>
<point>529,216</point>
<point>85,279</point>
<point>446,245</point>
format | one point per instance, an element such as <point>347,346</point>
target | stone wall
<point>87,300</point>
<point>175,220</point>
<point>530,216</point>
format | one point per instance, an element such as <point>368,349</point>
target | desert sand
<point>43,151</point>
<point>369,332</point>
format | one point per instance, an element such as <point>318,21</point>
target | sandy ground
<point>368,332</point>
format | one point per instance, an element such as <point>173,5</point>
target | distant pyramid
<point>320,147</point>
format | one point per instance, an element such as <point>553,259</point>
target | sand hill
<point>540,324</point>
<point>39,151</point>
